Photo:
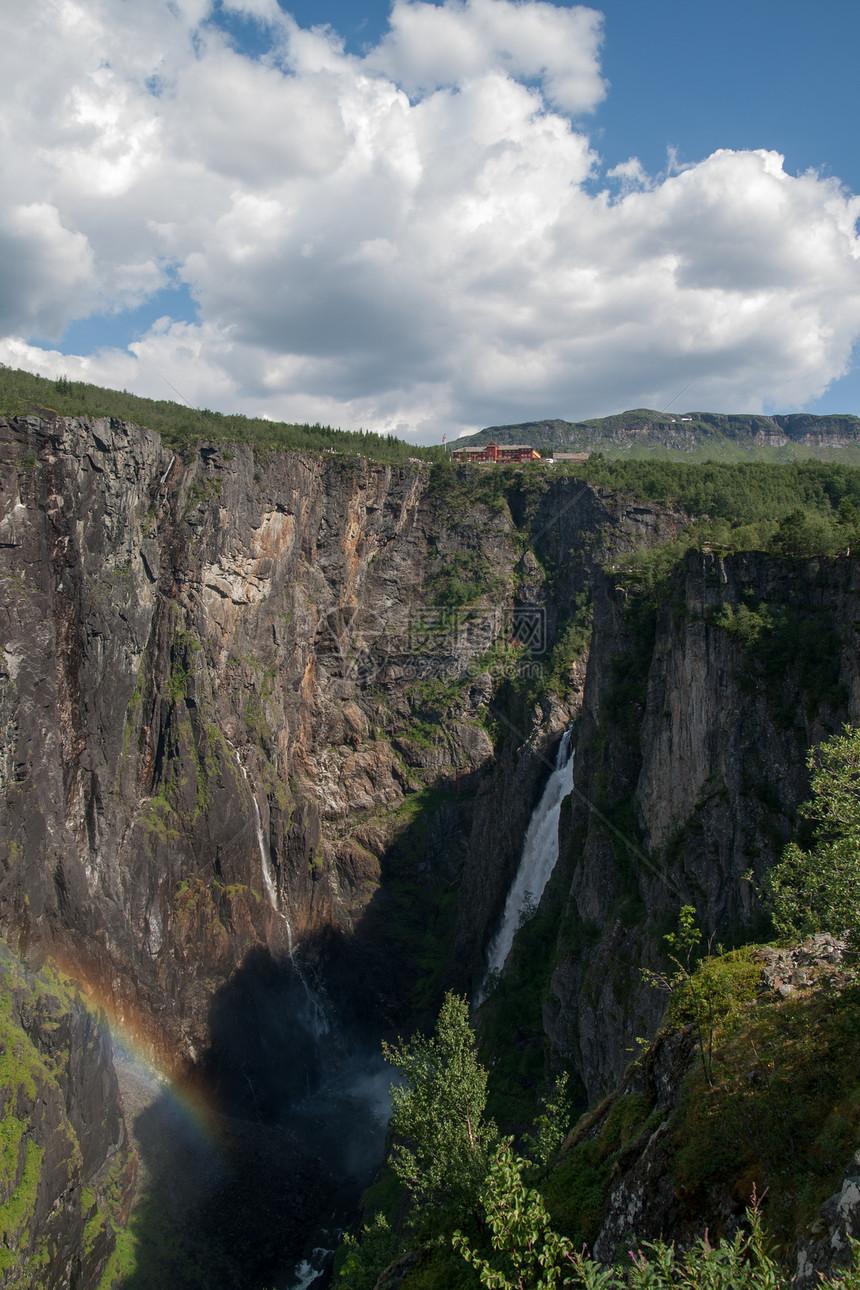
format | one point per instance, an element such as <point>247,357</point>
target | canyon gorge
<point>274,725</point>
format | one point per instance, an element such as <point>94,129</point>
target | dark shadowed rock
<point>826,1247</point>
<point>67,1170</point>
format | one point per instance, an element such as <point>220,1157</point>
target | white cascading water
<point>307,1273</point>
<point>316,1018</point>
<point>268,881</point>
<point>540,852</point>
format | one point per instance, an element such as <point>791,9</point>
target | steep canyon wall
<point>697,715</point>
<point>236,688</point>
<point>257,703</point>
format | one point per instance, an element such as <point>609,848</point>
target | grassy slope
<point>781,1111</point>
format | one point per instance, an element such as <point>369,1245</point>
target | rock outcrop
<point>66,1173</point>
<point>689,770</point>
<point>827,1247</point>
<point>641,1202</point>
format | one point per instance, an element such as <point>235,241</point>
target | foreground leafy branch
<point>819,890</point>
<point>442,1142</point>
<point>529,1255</point>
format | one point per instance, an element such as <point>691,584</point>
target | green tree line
<point>795,509</point>
<point>22,393</point>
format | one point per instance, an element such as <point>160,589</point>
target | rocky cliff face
<point>257,700</point>
<point>245,702</point>
<point>257,705</point>
<point>66,1173</point>
<point>184,755</point>
<point>689,770</point>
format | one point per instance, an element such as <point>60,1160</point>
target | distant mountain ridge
<point>688,432</point>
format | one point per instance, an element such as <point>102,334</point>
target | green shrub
<point>819,889</point>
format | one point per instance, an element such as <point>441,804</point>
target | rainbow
<point>138,1041</point>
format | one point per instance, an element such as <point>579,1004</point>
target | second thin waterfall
<point>317,1020</point>
<point>540,853</point>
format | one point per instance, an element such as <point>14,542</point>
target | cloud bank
<point>417,239</point>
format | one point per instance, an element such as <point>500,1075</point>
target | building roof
<point>500,447</point>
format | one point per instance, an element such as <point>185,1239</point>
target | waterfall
<point>540,852</point>
<point>264,859</point>
<point>307,1273</point>
<point>316,1019</point>
<point>268,881</point>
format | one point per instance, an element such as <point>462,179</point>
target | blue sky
<point>486,211</point>
<point>742,74</point>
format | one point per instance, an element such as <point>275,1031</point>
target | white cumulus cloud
<point>415,239</point>
<point>46,269</point>
<point>430,46</point>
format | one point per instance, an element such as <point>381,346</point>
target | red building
<point>498,453</point>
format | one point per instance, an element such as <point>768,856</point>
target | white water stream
<point>316,1018</point>
<point>306,1272</point>
<point>540,853</point>
<point>268,881</point>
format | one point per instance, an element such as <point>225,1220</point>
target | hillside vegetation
<point>762,1112</point>
<point>798,509</point>
<point>767,1120</point>
<point>696,436</point>
<point>794,509</point>
<point>181,426</point>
